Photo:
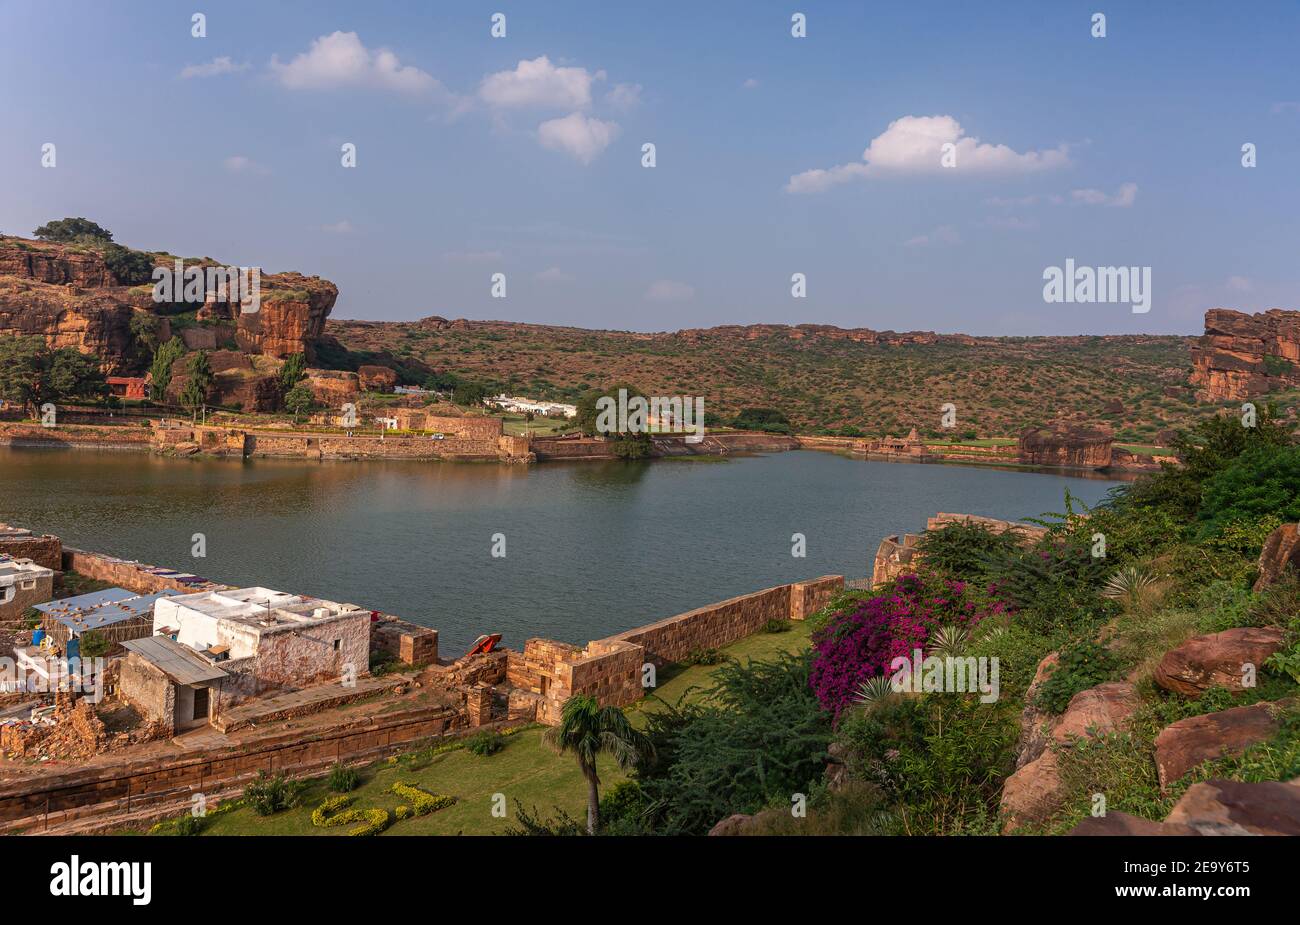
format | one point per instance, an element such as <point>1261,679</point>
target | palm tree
<point>588,729</point>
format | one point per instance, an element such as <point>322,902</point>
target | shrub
<point>1262,481</point>
<point>422,802</point>
<point>703,657</point>
<point>777,626</point>
<point>333,812</point>
<point>1082,665</point>
<point>486,742</point>
<point>341,778</point>
<point>271,793</point>
<point>861,643</point>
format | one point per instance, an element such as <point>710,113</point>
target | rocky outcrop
<point>332,387</point>
<point>1243,355</point>
<point>1282,548</point>
<point>67,294</point>
<point>377,378</point>
<point>1228,807</point>
<point>1036,789</point>
<point>238,381</point>
<point>1065,445</point>
<point>1189,742</point>
<point>1216,660</point>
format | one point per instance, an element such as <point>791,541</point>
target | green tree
<point>588,730</point>
<point>298,401</point>
<point>293,370</point>
<point>130,267</point>
<point>469,393</point>
<point>144,335</point>
<point>160,370</point>
<point>198,379</point>
<point>31,373</point>
<point>73,229</point>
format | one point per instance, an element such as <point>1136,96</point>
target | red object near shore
<point>484,644</point>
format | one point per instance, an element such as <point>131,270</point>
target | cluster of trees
<point>627,444</point>
<point>766,419</point>
<point>32,373</point>
<point>130,267</point>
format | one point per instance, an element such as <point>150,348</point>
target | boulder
<point>377,378</point>
<point>1228,807</point>
<point>1217,659</point>
<point>1096,711</point>
<point>1035,724</point>
<point>333,387</point>
<point>1189,742</point>
<point>1117,823</point>
<point>1074,446</point>
<point>1033,792</point>
<point>1280,550</point>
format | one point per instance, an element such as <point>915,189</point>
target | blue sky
<point>522,155</point>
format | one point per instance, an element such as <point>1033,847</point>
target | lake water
<point>592,548</point>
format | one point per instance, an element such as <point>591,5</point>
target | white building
<point>519,405</point>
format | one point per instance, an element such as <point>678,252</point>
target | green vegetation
<point>587,730</point>
<point>31,373</point>
<point>198,379</point>
<point>161,367</point>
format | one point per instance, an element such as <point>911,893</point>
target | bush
<point>777,626</point>
<point>703,657</point>
<point>271,793</point>
<point>486,742</point>
<point>334,812</point>
<point>861,643</point>
<point>341,778</point>
<point>422,802</point>
<point>1260,482</point>
<point>1082,665</point>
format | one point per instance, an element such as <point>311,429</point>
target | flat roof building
<point>23,584</point>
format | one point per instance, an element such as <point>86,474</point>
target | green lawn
<point>525,770</point>
<point>1143,448</point>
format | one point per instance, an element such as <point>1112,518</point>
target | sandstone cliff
<point>1244,355</point>
<point>67,294</point>
<point>1067,445</point>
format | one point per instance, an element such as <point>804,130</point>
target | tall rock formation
<point>1242,355</point>
<point>67,294</point>
<point>1066,445</point>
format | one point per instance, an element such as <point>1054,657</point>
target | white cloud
<point>341,60</point>
<point>751,83</point>
<point>238,163</point>
<point>1239,284</point>
<point>471,256</point>
<point>582,136</point>
<point>944,234</point>
<point>540,83</point>
<point>668,290</point>
<point>624,96</point>
<point>343,227</point>
<point>1123,198</point>
<point>553,275</point>
<point>914,145</point>
<point>214,68</point>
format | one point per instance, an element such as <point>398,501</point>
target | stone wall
<point>72,436</point>
<point>408,643</point>
<point>41,590</point>
<point>150,691</point>
<point>44,550</point>
<point>30,802</point>
<point>709,627</point>
<point>307,653</point>
<point>808,597</point>
<point>130,575</point>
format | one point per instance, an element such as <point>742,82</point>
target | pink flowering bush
<point>859,642</point>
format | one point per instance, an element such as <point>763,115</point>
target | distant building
<point>23,584</point>
<point>132,388</point>
<point>212,650</point>
<point>518,405</point>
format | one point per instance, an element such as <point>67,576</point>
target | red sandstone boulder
<point>1227,807</point>
<point>1117,823</point>
<point>1033,793</point>
<point>377,378</point>
<point>1066,445</point>
<point>1096,711</point>
<point>1280,550</point>
<point>1189,742</point>
<point>333,387</point>
<point>1218,659</point>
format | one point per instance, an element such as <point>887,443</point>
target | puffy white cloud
<point>238,163</point>
<point>914,145</point>
<point>341,60</point>
<point>579,135</point>
<point>1125,197</point>
<point>214,68</point>
<point>541,84</point>
<point>624,96</point>
<point>668,290</point>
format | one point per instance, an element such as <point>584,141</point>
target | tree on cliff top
<point>73,229</point>
<point>32,373</point>
<point>160,370</point>
<point>588,730</point>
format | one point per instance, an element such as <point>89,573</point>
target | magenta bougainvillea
<point>861,641</point>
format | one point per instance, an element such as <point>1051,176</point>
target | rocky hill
<point>820,376</point>
<point>1242,356</point>
<point>68,294</point>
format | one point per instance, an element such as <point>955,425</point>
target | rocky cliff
<point>1243,355</point>
<point>1068,445</point>
<point>67,294</point>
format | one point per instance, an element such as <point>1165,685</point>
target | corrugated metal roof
<point>101,608</point>
<point>179,662</point>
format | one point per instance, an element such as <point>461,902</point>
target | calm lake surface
<point>592,548</point>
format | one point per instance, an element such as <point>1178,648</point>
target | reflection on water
<point>591,547</point>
